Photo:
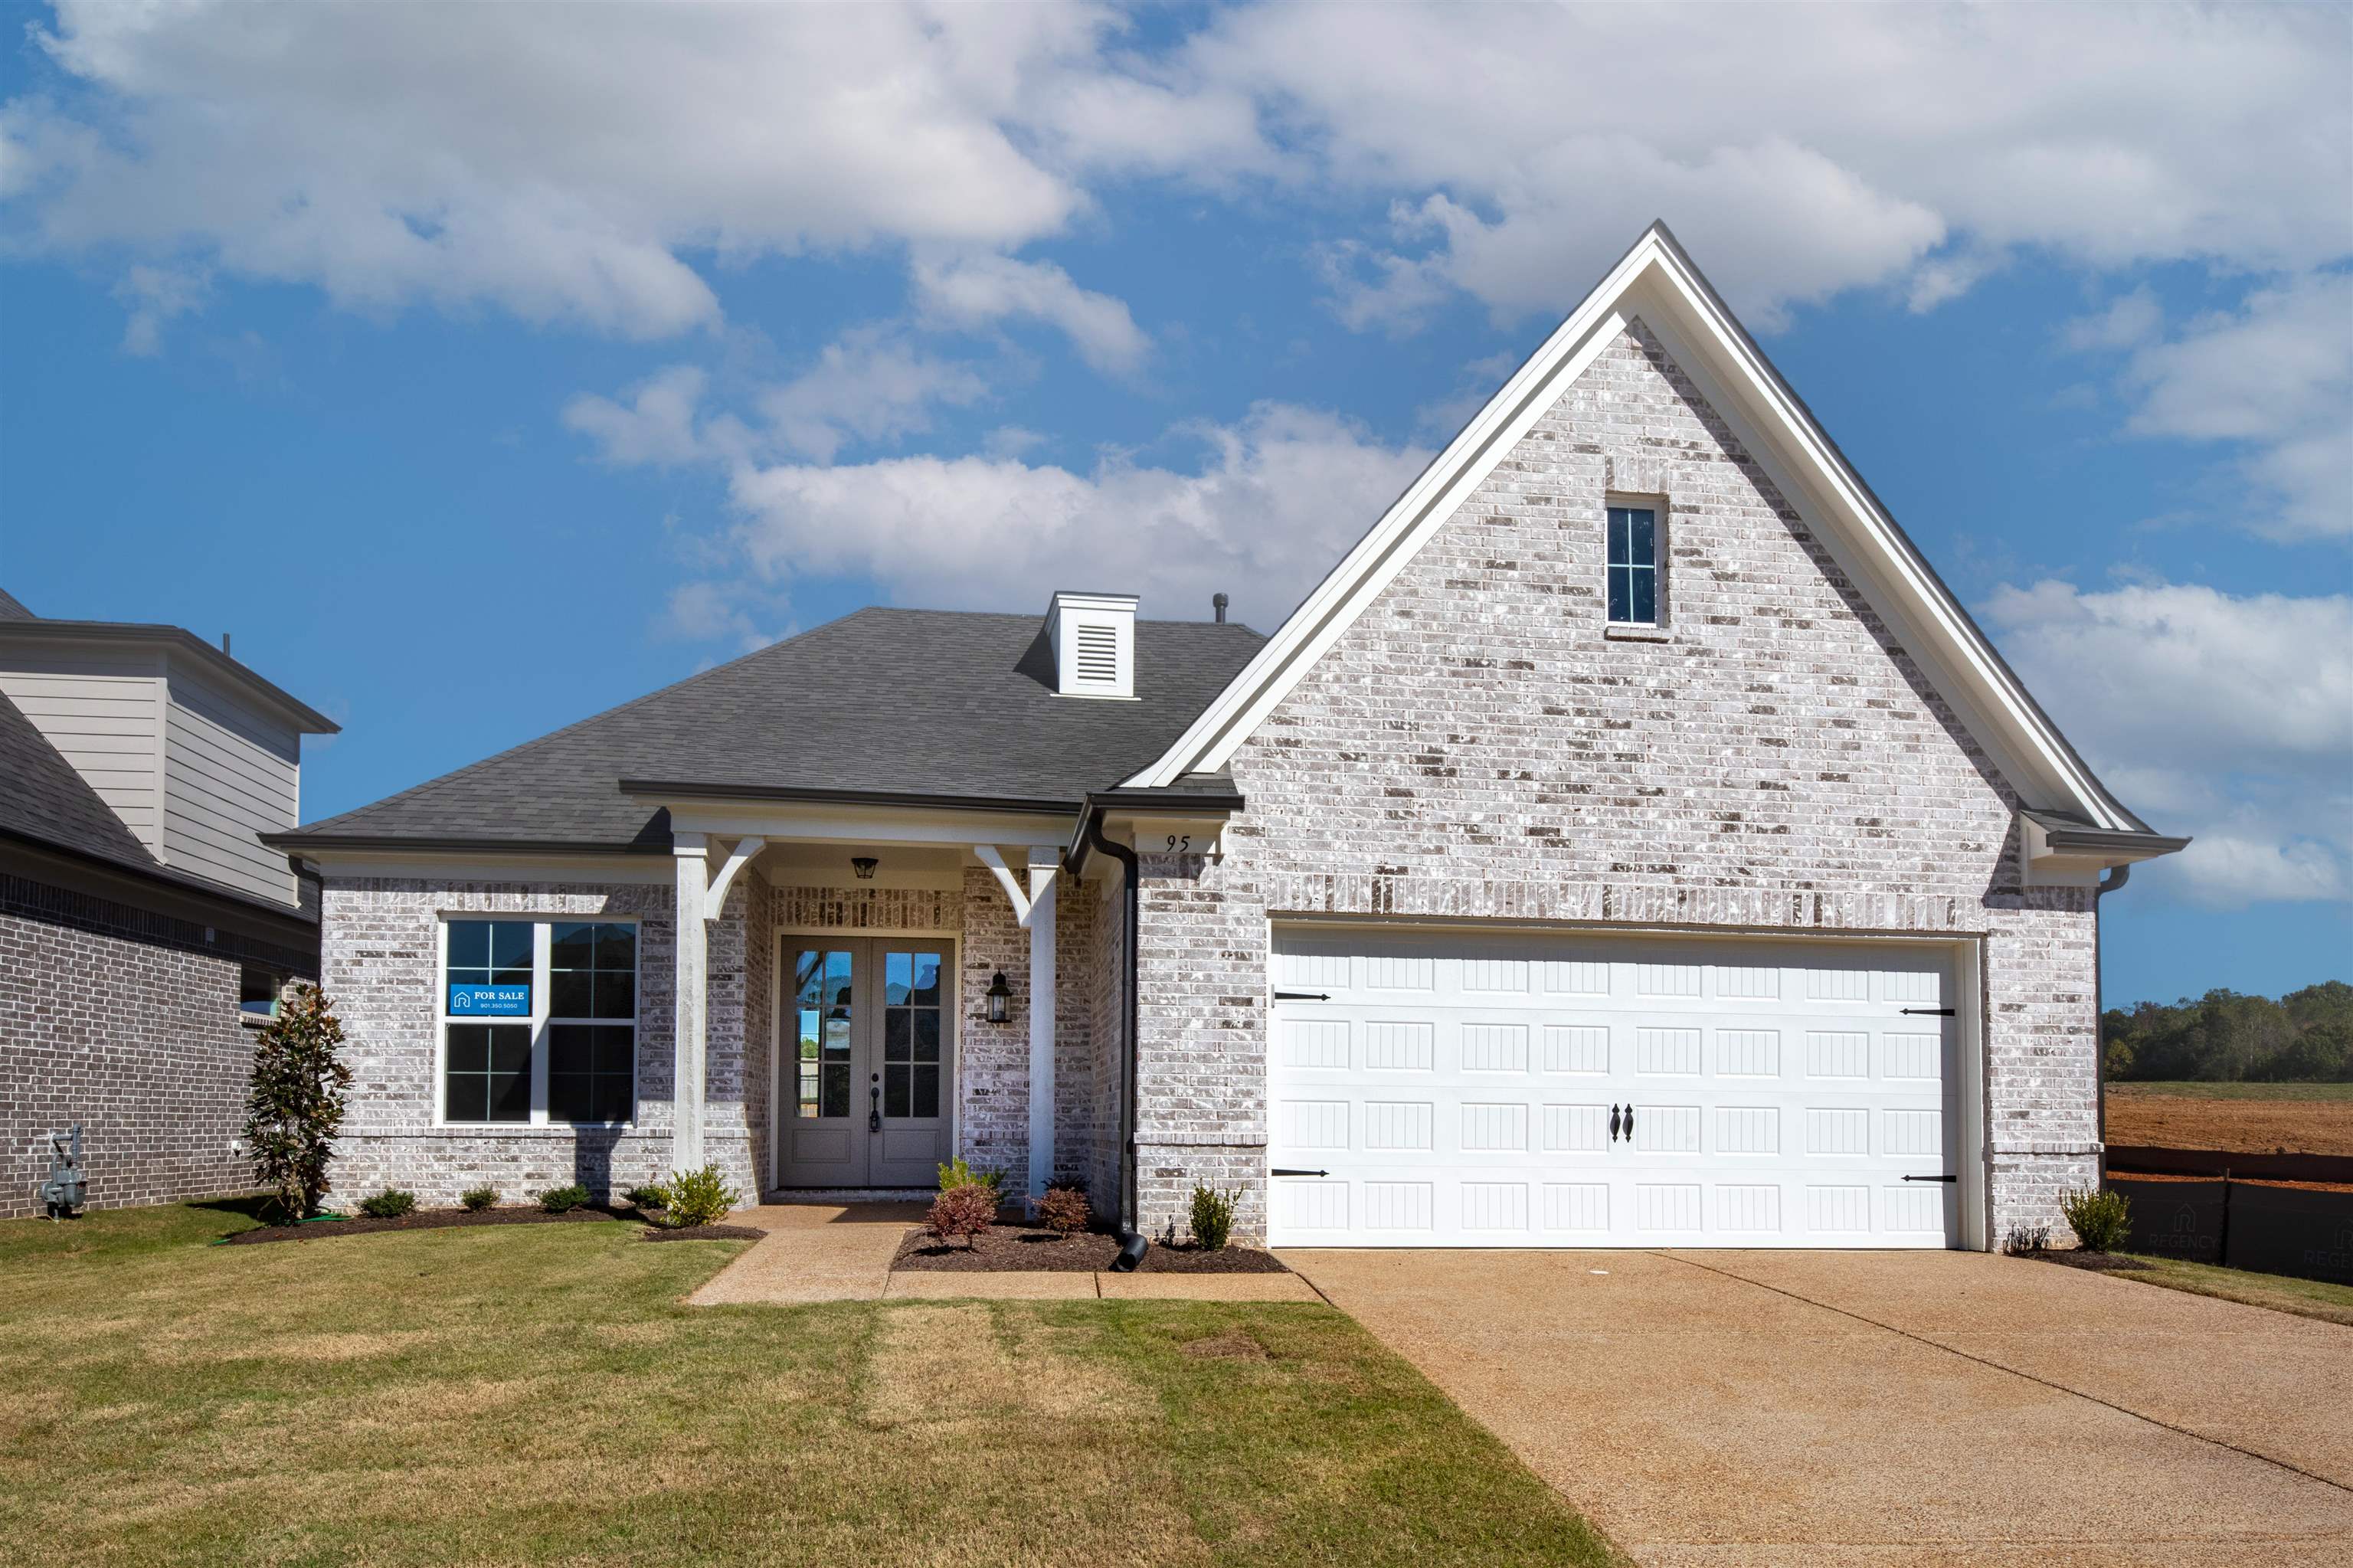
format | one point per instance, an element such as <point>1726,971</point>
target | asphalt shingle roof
<point>893,702</point>
<point>46,801</point>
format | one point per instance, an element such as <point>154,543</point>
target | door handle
<point>1630,1121</point>
<point>1613,1123</point>
<point>874,1116</point>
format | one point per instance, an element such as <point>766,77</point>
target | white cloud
<point>2227,717</point>
<point>155,295</point>
<point>980,291</point>
<point>2126,322</point>
<point>729,611</point>
<point>1273,502</point>
<point>656,427</point>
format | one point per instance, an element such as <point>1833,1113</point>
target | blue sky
<point>481,368</point>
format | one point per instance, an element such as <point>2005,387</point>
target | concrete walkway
<point>843,1252</point>
<point>1884,1408</point>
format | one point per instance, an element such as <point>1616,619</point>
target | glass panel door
<point>824,1143</point>
<point>913,1066</point>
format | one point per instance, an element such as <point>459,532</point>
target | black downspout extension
<point>2116,877</point>
<point>1132,1243</point>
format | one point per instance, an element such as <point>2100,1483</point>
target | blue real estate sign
<point>490,1001</point>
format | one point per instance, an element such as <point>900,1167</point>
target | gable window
<point>1633,566</point>
<point>538,1022</point>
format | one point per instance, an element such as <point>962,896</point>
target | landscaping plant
<point>564,1200</point>
<point>2026,1240</point>
<point>388,1204</point>
<point>1213,1217</point>
<point>476,1198</point>
<point>698,1197</point>
<point>646,1197</point>
<point>956,1173</point>
<point>294,1101</point>
<point>1063,1210</point>
<point>2100,1219</point>
<point>966,1211</point>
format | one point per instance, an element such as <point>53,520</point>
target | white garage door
<point>1458,1089</point>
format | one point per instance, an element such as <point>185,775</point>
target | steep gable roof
<point>1657,282</point>
<point>881,703</point>
<point>47,802</point>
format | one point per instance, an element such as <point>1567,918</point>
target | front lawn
<point>531,1394</point>
<point>2305,1297</point>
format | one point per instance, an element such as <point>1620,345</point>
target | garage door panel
<point>1777,1093</point>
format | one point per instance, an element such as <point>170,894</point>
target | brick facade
<point>125,1020</point>
<point>1476,747</point>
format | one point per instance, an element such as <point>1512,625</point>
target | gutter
<point>2116,877</point>
<point>1132,1243</point>
<point>670,790</point>
<point>299,840</point>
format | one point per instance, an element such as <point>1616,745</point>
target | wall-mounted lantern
<point>998,994</point>
<point>863,865</point>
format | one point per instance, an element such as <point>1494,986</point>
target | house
<point>144,928</point>
<point>1630,842</point>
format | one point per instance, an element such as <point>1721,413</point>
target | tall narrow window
<point>486,1066</point>
<point>1633,566</point>
<point>592,1033</point>
<point>822,985</point>
<point>911,1034</point>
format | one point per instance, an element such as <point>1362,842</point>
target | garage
<point>1513,1089</point>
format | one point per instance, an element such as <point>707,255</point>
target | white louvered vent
<point>1094,636</point>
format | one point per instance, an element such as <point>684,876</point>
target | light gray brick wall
<point>1475,746</point>
<point>126,1021</point>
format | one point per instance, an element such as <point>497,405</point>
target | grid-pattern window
<point>821,989</point>
<point>539,1021</point>
<point>592,970</point>
<point>911,1034</point>
<point>1633,566</point>
<point>591,1007</point>
<point>487,1076</point>
<point>591,1072</point>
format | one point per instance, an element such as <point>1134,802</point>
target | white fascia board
<point>1653,282</point>
<point>868,824</point>
<point>448,868</point>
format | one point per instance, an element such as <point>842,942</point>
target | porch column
<point>692,943</point>
<point>1043,865</point>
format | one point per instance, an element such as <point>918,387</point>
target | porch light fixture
<point>863,865</point>
<point>998,994</point>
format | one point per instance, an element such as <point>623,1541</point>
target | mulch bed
<point>1020,1249</point>
<point>418,1220</point>
<point>705,1233</point>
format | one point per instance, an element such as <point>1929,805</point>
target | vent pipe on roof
<point>1218,603</point>
<point>225,638</point>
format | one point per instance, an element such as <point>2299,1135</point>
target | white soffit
<point>1656,283</point>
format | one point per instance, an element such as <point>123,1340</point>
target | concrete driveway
<point>1883,1408</point>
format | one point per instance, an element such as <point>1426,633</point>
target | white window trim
<point>542,944</point>
<point>1656,505</point>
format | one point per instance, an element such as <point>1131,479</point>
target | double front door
<point>869,1062</point>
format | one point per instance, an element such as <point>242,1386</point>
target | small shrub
<point>1213,1217</point>
<point>564,1200</point>
<point>2101,1220</point>
<point>956,1173</point>
<point>698,1197</point>
<point>388,1204</point>
<point>652,1197</point>
<point>2026,1240</point>
<point>968,1211</point>
<point>476,1198</point>
<point>1063,1210</point>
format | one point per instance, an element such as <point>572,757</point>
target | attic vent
<point>1094,636</point>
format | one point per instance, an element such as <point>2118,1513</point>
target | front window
<point>822,987</point>
<point>1633,566</point>
<point>539,1022</point>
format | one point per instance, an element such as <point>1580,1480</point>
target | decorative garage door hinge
<point>1927,1011</point>
<point>1302,996</point>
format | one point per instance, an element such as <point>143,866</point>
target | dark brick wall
<point>126,1020</point>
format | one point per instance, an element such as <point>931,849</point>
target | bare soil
<point>2240,1126</point>
<point>1018,1249</point>
<point>2240,1180</point>
<point>417,1220</point>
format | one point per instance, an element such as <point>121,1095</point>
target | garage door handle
<point>1932,1178</point>
<point>1613,1124</point>
<point>1927,1012</point>
<point>1302,996</point>
<point>1286,1171</point>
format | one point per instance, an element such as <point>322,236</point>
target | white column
<point>693,940</point>
<point>1043,865</point>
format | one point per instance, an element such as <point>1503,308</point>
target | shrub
<point>564,1200</point>
<point>476,1198</point>
<point>2101,1220</point>
<point>968,1211</point>
<point>956,1173</point>
<point>1213,1217</point>
<point>2026,1239</point>
<point>652,1197</point>
<point>698,1197</point>
<point>294,1101</point>
<point>1063,1210</point>
<point>388,1204</point>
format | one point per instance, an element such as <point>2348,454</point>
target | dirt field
<point>2192,1116</point>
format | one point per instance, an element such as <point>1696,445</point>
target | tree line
<point>2304,1037</point>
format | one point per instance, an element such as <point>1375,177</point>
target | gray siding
<point>228,776</point>
<point>103,713</point>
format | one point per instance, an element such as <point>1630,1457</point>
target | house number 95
<point>1179,844</point>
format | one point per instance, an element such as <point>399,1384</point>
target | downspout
<point>1132,1243</point>
<point>2118,876</point>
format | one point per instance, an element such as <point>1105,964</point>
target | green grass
<point>2188,1090</point>
<point>2305,1297</point>
<point>536,1393</point>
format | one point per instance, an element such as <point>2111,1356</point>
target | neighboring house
<point>144,928</point>
<point>1631,840</point>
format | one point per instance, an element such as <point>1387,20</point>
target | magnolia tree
<point>294,1106</point>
